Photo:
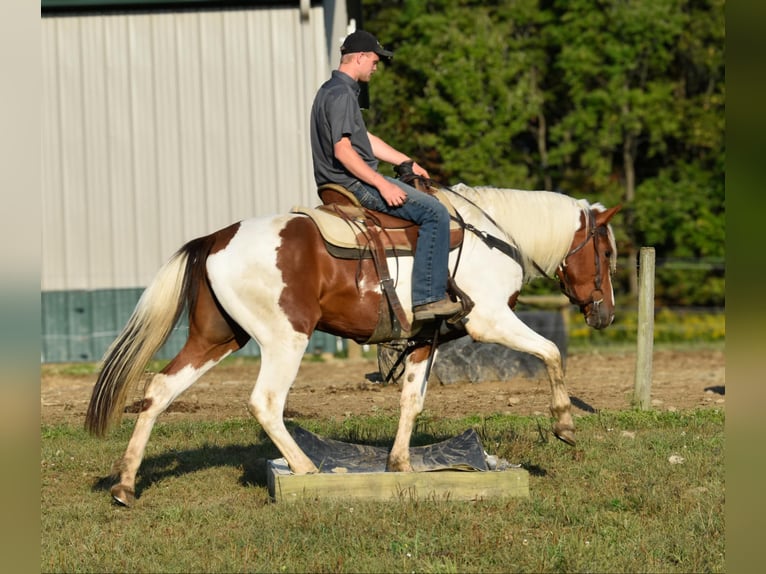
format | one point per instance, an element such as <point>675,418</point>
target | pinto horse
<point>272,279</point>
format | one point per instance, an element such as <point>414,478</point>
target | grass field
<point>613,504</point>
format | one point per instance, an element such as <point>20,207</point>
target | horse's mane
<point>522,214</point>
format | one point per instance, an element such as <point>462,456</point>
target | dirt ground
<point>338,388</point>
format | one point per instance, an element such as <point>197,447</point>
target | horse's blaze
<point>593,291</point>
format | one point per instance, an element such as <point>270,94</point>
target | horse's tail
<point>150,325</point>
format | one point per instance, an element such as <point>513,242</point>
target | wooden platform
<point>445,485</point>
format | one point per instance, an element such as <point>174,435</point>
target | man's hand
<point>392,194</point>
<point>417,170</point>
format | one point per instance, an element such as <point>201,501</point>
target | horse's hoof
<point>123,495</point>
<point>398,467</point>
<point>565,434</point>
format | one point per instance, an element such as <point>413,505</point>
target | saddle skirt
<point>348,228</point>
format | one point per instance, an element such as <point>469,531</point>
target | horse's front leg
<point>561,406</point>
<point>413,394</point>
<point>513,333</point>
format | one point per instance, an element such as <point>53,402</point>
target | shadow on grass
<point>534,469</point>
<point>582,405</point>
<point>174,463</point>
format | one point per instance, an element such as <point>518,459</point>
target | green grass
<point>612,504</point>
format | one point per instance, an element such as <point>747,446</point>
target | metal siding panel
<point>95,220</point>
<point>144,149</point>
<point>110,310</point>
<point>79,321</point>
<point>264,120</point>
<point>214,118</point>
<point>119,154</point>
<point>159,128</point>
<point>55,327</point>
<point>315,72</point>
<point>52,205</point>
<point>191,110</point>
<point>292,108</point>
<point>166,101</point>
<point>240,161</point>
<point>285,108</point>
<point>72,187</point>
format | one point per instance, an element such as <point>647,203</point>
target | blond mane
<point>520,215</point>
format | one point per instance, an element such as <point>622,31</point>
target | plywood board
<point>284,486</point>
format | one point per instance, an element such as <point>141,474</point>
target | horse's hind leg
<point>162,390</point>
<point>411,401</point>
<point>211,339</point>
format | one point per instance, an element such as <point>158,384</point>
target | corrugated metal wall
<point>160,127</point>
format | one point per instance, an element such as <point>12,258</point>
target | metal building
<point>163,121</point>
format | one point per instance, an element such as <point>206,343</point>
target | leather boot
<point>442,308</point>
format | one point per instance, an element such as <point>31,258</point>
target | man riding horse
<point>346,154</point>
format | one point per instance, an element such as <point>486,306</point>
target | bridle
<point>592,233</point>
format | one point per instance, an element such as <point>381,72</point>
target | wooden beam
<point>284,486</point>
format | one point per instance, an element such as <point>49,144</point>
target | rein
<point>491,241</point>
<point>404,172</point>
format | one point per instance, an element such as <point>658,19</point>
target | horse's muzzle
<point>597,315</point>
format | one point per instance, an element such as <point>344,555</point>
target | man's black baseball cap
<point>362,41</point>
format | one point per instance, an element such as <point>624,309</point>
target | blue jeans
<point>430,268</point>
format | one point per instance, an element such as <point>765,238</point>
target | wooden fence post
<point>645,334</point>
<point>354,350</point>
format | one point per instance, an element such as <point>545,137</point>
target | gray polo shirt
<point>334,115</point>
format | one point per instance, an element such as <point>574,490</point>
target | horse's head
<point>586,272</point>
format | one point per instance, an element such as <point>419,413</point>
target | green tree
<point>614,63</point>
<point>465,88</point>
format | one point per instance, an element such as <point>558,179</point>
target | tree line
<point>617,101</point>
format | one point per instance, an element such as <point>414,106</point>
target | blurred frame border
<point>20,61</point>
<point>20,282</point>
<point>745,210</point>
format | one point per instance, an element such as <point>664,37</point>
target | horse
<point>273,280</point>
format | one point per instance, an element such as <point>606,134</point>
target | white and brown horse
<point>272,279</point>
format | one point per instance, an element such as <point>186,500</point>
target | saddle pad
<point>350,233</point>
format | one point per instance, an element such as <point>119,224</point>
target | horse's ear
<point>604,217</point>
